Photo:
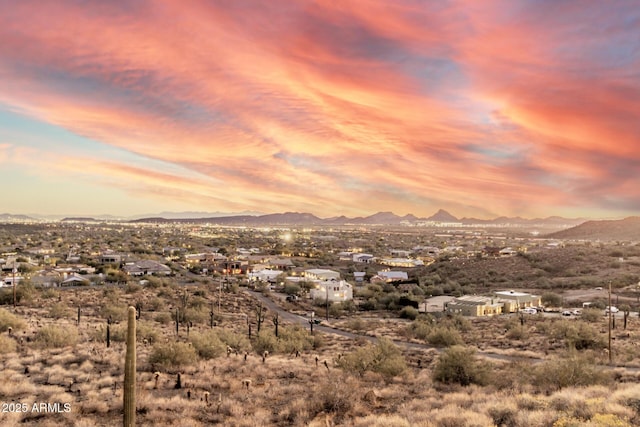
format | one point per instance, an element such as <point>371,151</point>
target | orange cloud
<point>340,106</point>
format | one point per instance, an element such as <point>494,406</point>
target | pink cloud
<point>365,106</point>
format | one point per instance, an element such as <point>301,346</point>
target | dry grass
<point>285,389</point>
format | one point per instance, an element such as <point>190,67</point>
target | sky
<point>514,107</point>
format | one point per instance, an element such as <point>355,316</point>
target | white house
<point>401,262</point>
<point>391,276</point>
<point>321,274</point>
<point>333,290</point>
<point>75,279</point>
<point>366,258</point>
<point>264,275</point>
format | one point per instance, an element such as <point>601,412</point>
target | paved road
<point>304,321</point>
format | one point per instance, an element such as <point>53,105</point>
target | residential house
<point>472,305</point>
<point>507,252</point>
<point>110,257</point>
<point>264,275</point>
<point>363,258</point>
<point>514,301</point>
<point>401,262</point>
<point>321,274</point>
<point>333,290</point>
<point>390,276</point>
<point>75,280</point>
<point>146,267</point>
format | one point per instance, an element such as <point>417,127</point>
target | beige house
<point>473,305</point>
<point>514,301</point>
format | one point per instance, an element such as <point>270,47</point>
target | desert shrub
<point>49,293</point>
<point>356,324</point>
<point>207,344</point>
<point>10,320</point>
<point>336,310</point>
<point>118,333</point>
<point>163,318</point>
<point>591,315</point>
<point>578,335</point>
<point>573,370</point>
<point>292,338</point>
<point>55,336</point>
<point>292,289</point>
<point>444,337</point>
<point>503,414</point>
<point>59,310</point>
<point>409,312</point>
<point>24,292</point>
<point>318,341</point>
<point>7,344</point>
<point>518,333</point>
<point>333,396</point>
<point>457,322</point>
<point>132,288</point>
<point>144,331</point>
<point>551,299</point>
<point>383,357</point>
<point>233,339</point>
<point>265,341</point>
<point>419,329</point>
<point>458,365</point>
<point>117,312</point>
<point>196,315</point>
<point>173,354</point>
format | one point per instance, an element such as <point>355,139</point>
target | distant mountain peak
<point>442,216</point>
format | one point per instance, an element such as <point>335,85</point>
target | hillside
<point>627,229</point>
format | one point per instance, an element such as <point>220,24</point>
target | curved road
<point>304,321</point>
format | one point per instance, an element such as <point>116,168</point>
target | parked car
<point>577,312</point>
<point>612,308</point>
<point>566,313</point>
<point>292,298</point>
<point>529,310</point>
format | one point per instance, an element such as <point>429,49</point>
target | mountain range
<point>380,218</point>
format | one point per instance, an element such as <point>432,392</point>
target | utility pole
<point>610,355</point>
<point>220,297</point>
<point>14,285</point>
<point>327,302</point>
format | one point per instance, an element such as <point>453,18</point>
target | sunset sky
<point>482,108</point>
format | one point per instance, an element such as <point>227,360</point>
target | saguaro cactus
<point>129,396</point>
<point>276,322</point>
<point>177,323</point>
<point>259,315</point>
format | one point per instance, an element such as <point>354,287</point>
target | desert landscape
<point>215,351</point>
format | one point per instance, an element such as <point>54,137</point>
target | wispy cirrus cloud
<point>339,107</point>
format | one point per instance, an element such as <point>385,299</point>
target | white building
<point>264,275</point>
<point>333,290</point>
<point>401,262</point>
<point>321,274</point>
<point>366,258</point>
<point>391,276</point>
